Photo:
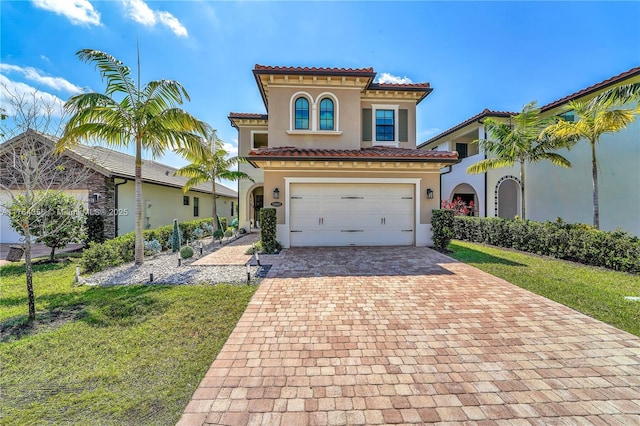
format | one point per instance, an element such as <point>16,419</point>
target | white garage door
<point>352,214</point>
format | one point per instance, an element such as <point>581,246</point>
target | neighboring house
<point>110,190</point>
<point>551,191</point>
<point>336,156</point>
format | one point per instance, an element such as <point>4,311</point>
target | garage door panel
<point>352,214</point>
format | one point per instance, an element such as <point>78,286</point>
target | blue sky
<point>476,55</point>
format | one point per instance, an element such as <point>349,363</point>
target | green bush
<point>100,256</point>
<point>576,242</point>
<point>186,252</point>
<point>268,230</point>
<point>442,226</point>
<point>94,225</point>
<point>223,222</point>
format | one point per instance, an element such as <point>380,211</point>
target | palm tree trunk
<point>522,197</point>
<point>214,209</point>
<point>139,246</point>
<point>594,175</point>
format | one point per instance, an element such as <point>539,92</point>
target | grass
<point>597,292</point>
<point>118,355</point>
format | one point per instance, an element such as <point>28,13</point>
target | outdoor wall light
<point>276,194</point>
<point>430,193</point>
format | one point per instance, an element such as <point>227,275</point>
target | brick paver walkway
<point>231,254</point>
<point>406,335</point>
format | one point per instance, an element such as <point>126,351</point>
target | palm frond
<point>489,163</point>
<point>618,95</point>
<point>112,70</point>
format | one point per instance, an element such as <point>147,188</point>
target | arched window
<point>302,113</point>
<point>326,114</point>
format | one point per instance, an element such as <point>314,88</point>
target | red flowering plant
<point>459,207</point>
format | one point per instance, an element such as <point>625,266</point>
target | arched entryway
<point>255,203</point>
<point>507,195</point>
<point>468,194</point>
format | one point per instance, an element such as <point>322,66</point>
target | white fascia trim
<point>314,132</point>
<point>396,128</point>
<point>412,181</point>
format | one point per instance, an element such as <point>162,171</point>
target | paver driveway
<point>406,335</point>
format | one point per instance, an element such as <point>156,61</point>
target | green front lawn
<point>119,355</point>
<point>597,292</point>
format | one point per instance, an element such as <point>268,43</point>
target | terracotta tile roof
<point>249,115</point>
<point>268,69</point>
<point>377,153</point>
<point>403,86</point>
<point>485,113</point>
<point>594,88</point>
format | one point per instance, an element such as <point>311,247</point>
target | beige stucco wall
<point>348,118</point>
<point>166,205</point>
<point>428,179</point>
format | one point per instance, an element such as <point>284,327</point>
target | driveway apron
<point>406,335</point>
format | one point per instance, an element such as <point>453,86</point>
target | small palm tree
<point>594,120</point>
<point>519,143</point>
<point>210,164</point>
<point>147,116</point>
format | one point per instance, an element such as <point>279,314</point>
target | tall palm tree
<point>210,164</point>
<point>519,142</point>
<point>126,114</point>
<point>618,95</point>
<point>594,120</point>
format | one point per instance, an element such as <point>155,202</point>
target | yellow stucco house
<point>336,156</point>
<point>551,191</point>
<point>109,189</point>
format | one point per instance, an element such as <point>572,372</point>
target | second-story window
<point>302,113</point>
<point>385,125</point>
<point>326,114</point>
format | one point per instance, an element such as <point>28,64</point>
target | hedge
<point>442,225</point>
<point>118,250</point>
<point>268,230</point>
<point>576,242</point>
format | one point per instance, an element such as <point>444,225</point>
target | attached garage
<point>343,214</point>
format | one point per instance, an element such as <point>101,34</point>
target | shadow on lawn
<point>98,307</point>
<point>468,255</point>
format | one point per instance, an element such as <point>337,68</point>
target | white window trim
<point>314,115</point>
<point>396,127</point>
<point>254,132</point>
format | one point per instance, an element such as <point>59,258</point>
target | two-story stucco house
<point>551,191</point>
<point>336,157</point>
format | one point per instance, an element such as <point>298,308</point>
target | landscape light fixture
<point>151,274</point>
<point>276,194</point>
<point>248,273</point>
<point>430,193</point>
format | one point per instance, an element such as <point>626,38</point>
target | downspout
<point>486,174</point>
<point>445,173</point>
<point>115,195</point>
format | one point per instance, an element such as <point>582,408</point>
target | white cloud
<point>26,93</point>
<point>140,12</point>
<point>231,149</point>
<point>385,77</point>
<point>172,22</point>
<point>79,12</point>
<point>37,76</point>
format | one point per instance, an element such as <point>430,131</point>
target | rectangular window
<point>185,200</point>
<point>385,125</point>
<point>232,209</point>
<point>196,207</point>
<point>568,116</point>
<point>462,150</point>
<point>260,139</point>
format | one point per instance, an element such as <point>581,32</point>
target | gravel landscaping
<point>165,270</point>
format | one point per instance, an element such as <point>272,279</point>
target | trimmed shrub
<point>268,230</point>
<point>229,233</point>
<point>186,252</point>
<point>152,247</point>
<point>218,234</point>
<point>576,242</point>
<point>100,256</point>
<point>223,222</point>
<point>442,226</point>
<point>97,259</point>
<point>94,225</point>
<point>175,237</point>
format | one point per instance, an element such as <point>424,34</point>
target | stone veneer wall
<point>106,202</point>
